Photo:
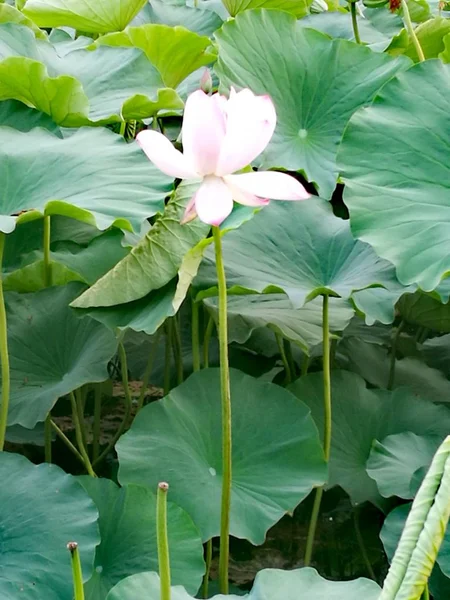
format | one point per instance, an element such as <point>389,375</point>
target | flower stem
<point>167,356</point>
<point>206,342</point>
<point>97,421</point>
<point>287,368</point>
<point>208,557</point>
<point>226,415</point>
<point>79,436</point>
<point>162,540</point>
<point>47,253</point>
<point>66,440</point>
<point>148,370</point>
<point>48,438</point>
<point>4,355</point>
<point>391,381</point>
<point>177,350</point>
<point>195,336</point>
<point>327,424</point>
<point>410,29</point>
<point>355,22</point>
<point>77,574</point>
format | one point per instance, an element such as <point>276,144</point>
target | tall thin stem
<point>97,421</point>
<point>47,253</point>
<point>226,416</point>
<point>287,368</point>
<point>77,574</point>
<point>391,381</point>
<point>4,355</point>
<point>206,341</point>
<point>208,557</point>
<point>48,438</point>
<point>167,356</point>
<point>162,540</point>
<point>62,436</point>
<point>148,369</point>
<point>411,32</point>
<point>79,436</point>
<point>355,22</point>
<point>195,336</point>
<point>327,425</point>
<point>177,349</point>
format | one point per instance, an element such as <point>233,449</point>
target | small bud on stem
<point>77,573</point>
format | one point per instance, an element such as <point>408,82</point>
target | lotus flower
<point>221,137</point>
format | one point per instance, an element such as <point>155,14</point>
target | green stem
<point>327,424</point>
<point>4,355</point>
<point>128,405</point>
<point>362,546</point>
<point>123,127</point>
<point>355,22</point>
<point>287,368</point>
<point>313,526</point>
<point>77,574</point>
<point>195,336</point>
<point>410,29</point>
<point>66,440</point>
<point>226,416</point>
<point>48,438</point>
<point>167,356</point>
<point>162,540</point>
<point>47,253</point>
<point>97,421</point>
<point>305,365</point>
<point>148,370</point>
<point>206,341</point>
<point>208,560</point>
<point>426,593</point>
<point>177,351</point>
<point>391,381</point>
<point>79,436</point>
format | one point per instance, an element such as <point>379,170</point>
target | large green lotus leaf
<point>10,14</point>
<point>378,304</point>
<point>299,9</point>
<point>277,459</point>
<point>154,261</point>
<point>128,533</point>
<point>93,176</point>
<point>176,12</point>
<point>426,311</point>
<point>373,363</point>
<point>299,248</point>
<point>303,326</point>
<point>52,351</point>
<point>398,194</point>
<point>32,277</point>
<point>270,584</point>
<point>394,462</point>
<point>175,51</point>
<point>101,16</point>
<point>66,84</point>
<point>315,72</point>
<point>43,509</point>
<point>19,116</point>
<point>360,416</point>
<point>439,584</point>
<point>392,530</point>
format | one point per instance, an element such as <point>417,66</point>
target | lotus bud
<point>206,83</point>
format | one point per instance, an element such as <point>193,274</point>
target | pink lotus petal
<point>244,198</point>
<point>203,130</point>
<point>164,156</point>
<point>213,201</point>
<point>269,184</point>
<point>190,213</point>
<point>250,125</point>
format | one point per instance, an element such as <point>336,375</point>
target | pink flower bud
<point>206,83</point>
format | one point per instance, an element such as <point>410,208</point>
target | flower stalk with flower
<point>221,136</point>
